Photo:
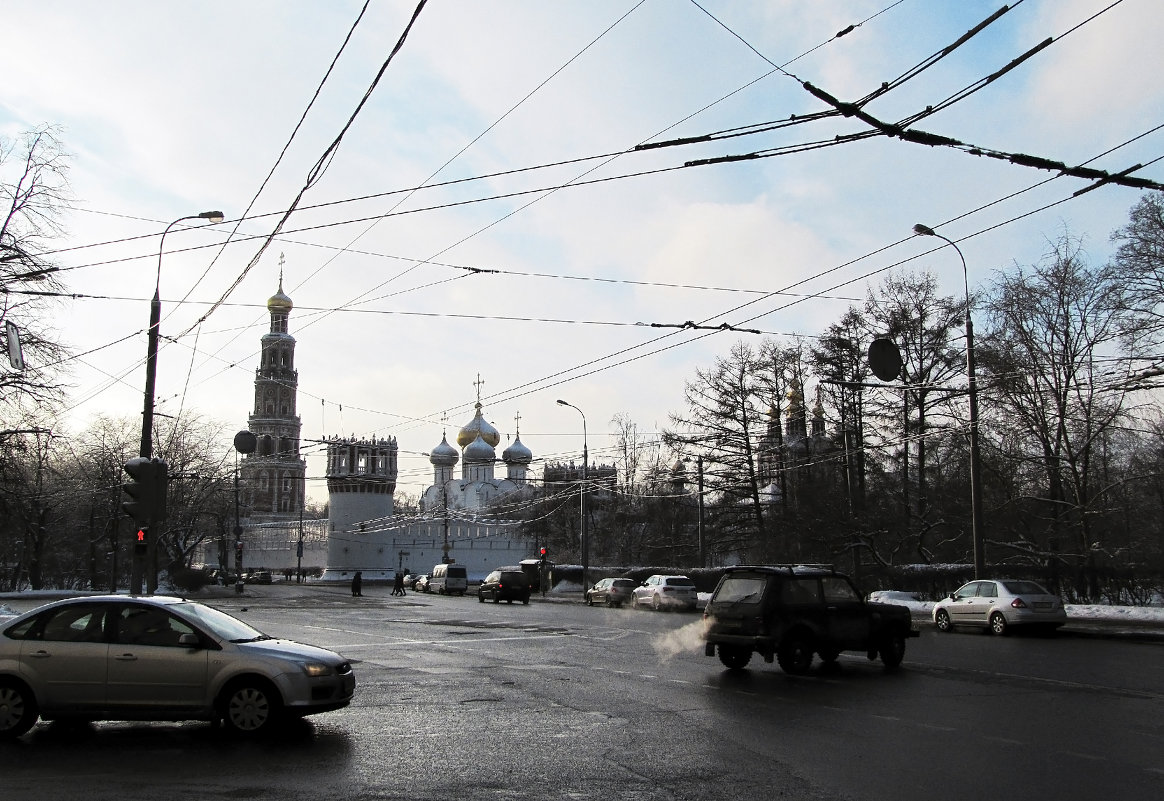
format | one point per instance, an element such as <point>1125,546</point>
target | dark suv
<point>505,584</point>
<point>791,612</point>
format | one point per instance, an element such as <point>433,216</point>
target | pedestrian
<point>357,585</point>
<point>398,584</point>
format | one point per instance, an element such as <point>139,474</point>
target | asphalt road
<point>461,700</point>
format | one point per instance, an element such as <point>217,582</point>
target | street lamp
<point>147,417</point>
<point>582,496</point>
<point>975,458</point>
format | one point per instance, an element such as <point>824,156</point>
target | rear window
<point>623,583</point>
<point>1024,588</point>
<point>734,589</point>
<point>458,572</point>
<point>512,575</point>
<point>679,582</point>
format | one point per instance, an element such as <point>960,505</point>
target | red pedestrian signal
<point>141,543</point>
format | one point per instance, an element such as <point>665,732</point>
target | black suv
<point>505,585</point>
<point>791,612</point>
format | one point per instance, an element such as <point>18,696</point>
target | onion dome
<point>444,455</point>
<point>479,426</point>
<point>279,302</point>
<point>517,453</point>
<point>479,451</point>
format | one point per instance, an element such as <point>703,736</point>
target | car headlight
<point>316,669</point>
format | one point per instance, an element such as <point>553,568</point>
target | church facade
<point>461,518</point>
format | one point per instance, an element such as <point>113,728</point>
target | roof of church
<point>444,455</point>
<point>280,301</point>
<point>479,451</point>
<point>517,453</point>
<point>478,426</point>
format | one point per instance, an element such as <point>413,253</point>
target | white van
<point>449,579</point>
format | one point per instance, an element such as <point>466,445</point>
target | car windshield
<point>679,582</point>
<point>735,589</point>
<point>219,623</point>
<point>1024,588</point>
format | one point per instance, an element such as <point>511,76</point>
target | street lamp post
<point>146,449</point>
<point>147,415</point>
<point>975,458</point>
<point>582,498</point>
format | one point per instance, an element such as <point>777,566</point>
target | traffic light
<point>544,554</point>
<point>141,542</point>
<point>146,489</point>
<point>238,551</point>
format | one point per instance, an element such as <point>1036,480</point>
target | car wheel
<point>795,654</point>
<point>829,654</point>
<point>942,621</point>
<point>893,651</point>
<point>18,710</point>
<point>496,598</point>
<point>480,598</point>
<point>589,600</point>
<point>655,602</point>
<point>734,657</point>
<point>634,602</point>
<point>251,706</point>
<point>998,623</point>
<point>525,601</point>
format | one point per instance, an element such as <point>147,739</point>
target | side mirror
<point>189,641</point>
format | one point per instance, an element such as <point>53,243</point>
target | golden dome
<point>478,426</point>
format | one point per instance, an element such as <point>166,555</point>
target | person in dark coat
<point>357,585</point>
<point>398,584</point>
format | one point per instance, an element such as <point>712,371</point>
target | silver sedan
<point>158,658</point>
<point>999,605</point>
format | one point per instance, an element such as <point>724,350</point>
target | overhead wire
<point>859,279</point>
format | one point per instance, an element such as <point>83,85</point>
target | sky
<point>544,256</point>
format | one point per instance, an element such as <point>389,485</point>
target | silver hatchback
<point>665,592</point>
<point>158,658</point>
<point>999,605</point>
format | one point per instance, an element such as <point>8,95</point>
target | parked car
<point>506,584</point>
<point>448,579</point>
<point>791,613</point>
<point>663,592</point>
<point>158,658</point>
<point>998,605</point>
<point>257,577</point>
<point>410,580</point>
<point>894,596</point>
<point>610,591</point>
<point>421,583</point>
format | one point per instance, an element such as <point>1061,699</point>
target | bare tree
<point>1059,348</point>
<point>1139,261</point>
<point>722,421</point>
<point>33,194</point>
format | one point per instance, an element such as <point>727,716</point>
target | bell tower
<point>275,473</point>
